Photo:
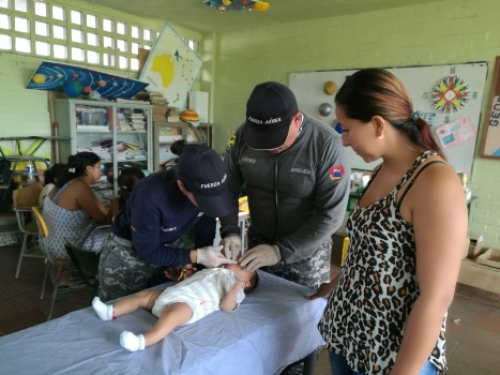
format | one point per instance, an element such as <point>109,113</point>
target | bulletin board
<point>491,135</point>
<point>449,97</point>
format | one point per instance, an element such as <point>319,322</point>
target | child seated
<point>203,293</point>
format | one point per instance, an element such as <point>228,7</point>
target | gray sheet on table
<point>274,326</point>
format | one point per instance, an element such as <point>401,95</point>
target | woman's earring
<point>381,136</point>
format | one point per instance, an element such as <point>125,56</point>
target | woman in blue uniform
<point>161,209</point>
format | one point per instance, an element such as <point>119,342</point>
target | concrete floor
<point>473,343</point>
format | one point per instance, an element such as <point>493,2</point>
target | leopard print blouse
<point>367,312</point>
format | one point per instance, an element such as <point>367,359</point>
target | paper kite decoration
<point>241,5</point>
<point>450,95</point>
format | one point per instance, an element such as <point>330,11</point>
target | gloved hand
<point>260,256</point>
<point>232,246</point>
<point>210,256</point>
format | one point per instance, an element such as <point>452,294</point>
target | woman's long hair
<point>127,180</point>
<point>376,92</point>
<point>176,149</point>
<point>76,167</point>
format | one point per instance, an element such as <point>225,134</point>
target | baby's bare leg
<point>144,299</point>
<point>175,315</point>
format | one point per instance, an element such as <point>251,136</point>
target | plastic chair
<point>54,263</point>
<point>24,199</point>
<point>87,263</point>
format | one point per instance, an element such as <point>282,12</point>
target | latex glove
<point>210,256</point>
<point>260,256</point>
<point>232,246</point>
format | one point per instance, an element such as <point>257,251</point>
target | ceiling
<point>195,15</point>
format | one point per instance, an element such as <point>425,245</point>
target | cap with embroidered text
<point>202,172</point>
<point>270,110</point>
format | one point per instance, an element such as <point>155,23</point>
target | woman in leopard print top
<point>387,314</point>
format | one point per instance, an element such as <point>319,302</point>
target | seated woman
<point>126,181</point>
<point>71,208</point>
<point>49,181</point>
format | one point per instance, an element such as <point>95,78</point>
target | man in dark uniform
<point>297,180</point>
<point>161,209</point>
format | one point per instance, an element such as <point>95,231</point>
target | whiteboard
<point>420,82</point>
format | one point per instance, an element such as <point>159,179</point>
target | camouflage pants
<point>121,272</point>
<point>309,272</point>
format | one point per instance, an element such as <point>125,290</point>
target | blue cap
<point>202,172</point>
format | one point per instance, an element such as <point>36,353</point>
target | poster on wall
<point>492,132</point>
<point>456,132</point>
<point>491,135</point>
<point>171,68</point>
<point>75,80</point>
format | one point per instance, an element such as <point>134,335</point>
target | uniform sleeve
<point>332,192</point>
<point>205,232</point>
<point>229,223</point>
<point>145,223</point>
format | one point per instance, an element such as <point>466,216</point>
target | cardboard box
<point>479,276</point>
<point>466,250</point>
<point>490,258</point>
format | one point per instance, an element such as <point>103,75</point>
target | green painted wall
<point>435,33</point>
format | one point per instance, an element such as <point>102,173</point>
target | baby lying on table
<point>203,293</point>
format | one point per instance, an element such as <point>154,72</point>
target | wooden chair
<point>24,199</point>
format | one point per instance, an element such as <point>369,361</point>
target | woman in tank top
<point>387,313</point>
<point>71,209</point>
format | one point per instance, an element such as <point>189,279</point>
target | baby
<point>203,293</point>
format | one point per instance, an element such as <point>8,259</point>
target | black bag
<point>6,199</point>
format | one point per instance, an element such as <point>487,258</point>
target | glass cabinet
<point>119,132</point>
<point>166,133</point>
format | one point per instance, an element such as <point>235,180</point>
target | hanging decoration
<point>75,80</point>
<point>450,95</point>
<point>330,87</point>
<point>240,5</point>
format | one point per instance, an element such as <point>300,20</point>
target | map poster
<point>171,68</point>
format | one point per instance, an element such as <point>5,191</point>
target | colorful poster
<point>171,68</point>
<point>492,136</point>
<point>53,76</point>
<point>456,132</point>
<point>450,95</point>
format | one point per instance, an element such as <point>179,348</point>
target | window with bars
<point>59,32</point>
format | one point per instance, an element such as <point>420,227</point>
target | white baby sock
<point>132,342</point>
<point>103,311</point>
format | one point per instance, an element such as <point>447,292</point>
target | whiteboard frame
<point>308,88</point>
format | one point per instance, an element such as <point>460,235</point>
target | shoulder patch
<point>231,142</point>
<point>337,172</point>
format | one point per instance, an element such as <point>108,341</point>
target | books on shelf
<point>157,118</point>
<point>173,118</point>
<point>153,97</point>
<point>159,109</point>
